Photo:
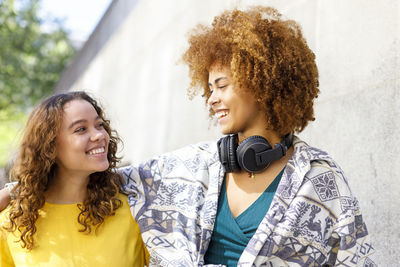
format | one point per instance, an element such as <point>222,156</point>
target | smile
<point>96,151</point>
<point>221,114</point>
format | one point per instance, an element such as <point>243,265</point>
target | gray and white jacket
<point>314,219</point>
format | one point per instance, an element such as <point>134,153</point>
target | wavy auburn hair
<point>268,57</point>
<point>35,167</point>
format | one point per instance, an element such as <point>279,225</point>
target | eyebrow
<point>80,121</point>
<point>217,80</point>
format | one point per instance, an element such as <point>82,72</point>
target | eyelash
<point>82,129</point>
<point>219,87</point>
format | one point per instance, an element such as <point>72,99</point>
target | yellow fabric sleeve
<point>5,255</point>
<point>59,243</point>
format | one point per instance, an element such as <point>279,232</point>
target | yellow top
<point>58,243</point>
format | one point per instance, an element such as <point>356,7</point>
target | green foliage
<point>31,59</point>
<point>11,124</point>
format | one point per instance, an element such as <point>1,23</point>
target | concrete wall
<point>357,114</point>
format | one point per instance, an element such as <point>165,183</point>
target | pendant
<point>251,175</point>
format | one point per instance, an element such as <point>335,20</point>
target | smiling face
<point>82,142</point>
<point>237,110</point>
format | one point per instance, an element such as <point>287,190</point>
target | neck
<point>67,188</point>
<point>271,136</point>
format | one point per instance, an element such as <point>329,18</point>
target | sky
<point>80,17</point>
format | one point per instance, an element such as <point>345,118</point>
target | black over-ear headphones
<point>254,154</point>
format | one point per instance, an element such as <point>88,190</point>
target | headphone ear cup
<point>232,159</point>
<point>247,150</point>
<point>221,151</point>
<point>227,153</point>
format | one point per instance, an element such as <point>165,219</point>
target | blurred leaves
<point>12,121</point>
<point>31,59</point>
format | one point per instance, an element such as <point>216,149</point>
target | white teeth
<point>96,151</point>
<point>221,114</point>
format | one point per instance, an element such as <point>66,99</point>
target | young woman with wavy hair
<point>68,209</point>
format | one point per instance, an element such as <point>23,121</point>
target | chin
<point>103,167</point>
<point>227,130</point>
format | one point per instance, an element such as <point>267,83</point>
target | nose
<point>213,99</point>
<point>97,135</point>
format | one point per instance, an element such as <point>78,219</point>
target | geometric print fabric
<point>313,220</point>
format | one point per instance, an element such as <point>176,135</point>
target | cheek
<point>106,137</point>
<point>60,148</point>
<point>107,143</point>
<point>67,146</point>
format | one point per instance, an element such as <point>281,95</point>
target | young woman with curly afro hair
<point>259,196</point>
<point>266,57</point>
<point>259,78</point>
<point>67,209</point>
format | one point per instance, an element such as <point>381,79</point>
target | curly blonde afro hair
<point>268,57</point>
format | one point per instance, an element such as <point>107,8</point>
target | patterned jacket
<point>314,219</point>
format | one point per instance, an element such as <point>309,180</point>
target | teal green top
<point>230,235</point>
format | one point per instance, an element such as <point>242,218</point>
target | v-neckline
<point>254,202</point>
